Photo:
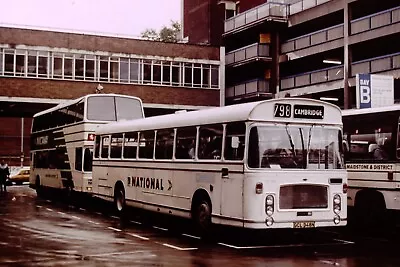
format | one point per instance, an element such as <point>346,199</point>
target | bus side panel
<point>232,197</point>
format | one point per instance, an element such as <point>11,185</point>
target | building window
<point>59,65</point>
<point>188,74</point>
<point>9,62</point>
<point>68,66</point>
<point>90,67</point>
<point>166,73</point>
<point>146,71</point>
<point>134,71</point>
<point>43,64</point>
<point>103,69</point>
<point>157,72</point>
<point>197,75</point>
<point>20,63</point>
<point>124,70</point>
<point>32,63</point>
<point>114,69</point>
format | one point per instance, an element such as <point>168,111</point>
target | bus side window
<point>130,145</point>
<point>78,158</point>
<point>164,144</point>
<point>87,160</point>
<point>146,145</point>
<point>235,141</point>
<point>104,146</point>
<point>185,143</point>
<point>116,146</point>
<point>210,141</point>
<point>97,147</point>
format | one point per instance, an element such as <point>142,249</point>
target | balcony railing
<point>247,53</point>
<point>314,38</point>
<point>376,65</point>
<point>376,20</point>
<point>262,12</point>
<point>371,65</point>
<point>253,87</point>
<point>304,4</point>
<point>313,77</point>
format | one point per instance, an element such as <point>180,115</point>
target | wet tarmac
<point>49,232</point>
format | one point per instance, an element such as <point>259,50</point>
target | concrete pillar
<point>347,55</point>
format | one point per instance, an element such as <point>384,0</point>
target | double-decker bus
<point>271,164</point>
<point>373,162</point>
<point>62,139</point>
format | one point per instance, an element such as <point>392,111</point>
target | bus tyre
<point>370,213</point>
<point>119,200</point>
<point>202,217</point>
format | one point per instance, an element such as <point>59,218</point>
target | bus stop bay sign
<point>374,90</point>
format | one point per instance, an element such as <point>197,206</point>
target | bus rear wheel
<point>119,200</point>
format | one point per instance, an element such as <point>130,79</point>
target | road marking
<point>139,236</point>
<point>98,213</point>
<point>330,262</point>
<point>118,253</point>
<point>192,236</point>
<point>76,217</point>
<point>344,241</point>
<point>136,222</point>
<point>247,247</point>
<point>178,248</point>
<point>37,206</point>
<point>94,222</point>
<point>62,213</point>
<point>49,201</point>
<point>160,228</point>
<point>114,229</point>
<point>115,217</point>
<point>49,209</point>
<point>82,209</point>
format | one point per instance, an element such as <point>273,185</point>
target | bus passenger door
<point>232,193</point>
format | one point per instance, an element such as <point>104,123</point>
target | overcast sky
<point>124,17</point>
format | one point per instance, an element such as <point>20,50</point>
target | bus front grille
<point>303,197</point>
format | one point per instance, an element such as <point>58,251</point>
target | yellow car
<point>19,176</point>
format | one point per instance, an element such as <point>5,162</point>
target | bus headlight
<point>269,221</point>
<point>336,219</point>
<point>269,205</point>
<point>337,199</point>
<point>270,210</point>
<point>337,202</point>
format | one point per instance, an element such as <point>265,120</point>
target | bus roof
<point>67,103</point>
<point>261,110</point>
<point>348,112</point>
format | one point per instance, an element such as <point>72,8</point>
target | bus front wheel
<point>119,200</point>
<point>202,216</point>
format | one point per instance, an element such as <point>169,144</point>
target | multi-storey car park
<point>308,48</point>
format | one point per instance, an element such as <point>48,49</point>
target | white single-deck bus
<point>270,164</point>
<point>373,162</point>
<point>62,139</point>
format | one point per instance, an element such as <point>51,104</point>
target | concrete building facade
<point>41,68</point>
<point>307,48</point>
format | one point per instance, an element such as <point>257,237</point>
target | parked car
<point>19,176</point>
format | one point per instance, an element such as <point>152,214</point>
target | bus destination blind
<point>299,111</point>
<point>308,112</point>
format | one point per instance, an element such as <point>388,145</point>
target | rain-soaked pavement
<point>40,232</point>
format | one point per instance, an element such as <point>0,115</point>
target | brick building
<point>308,48</point>
<point>40,68</point>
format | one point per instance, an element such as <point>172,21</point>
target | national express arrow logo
<point>149,183</point>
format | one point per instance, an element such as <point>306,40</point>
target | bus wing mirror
<point>235,142</point>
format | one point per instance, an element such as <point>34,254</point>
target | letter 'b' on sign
<point>365,94</point>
